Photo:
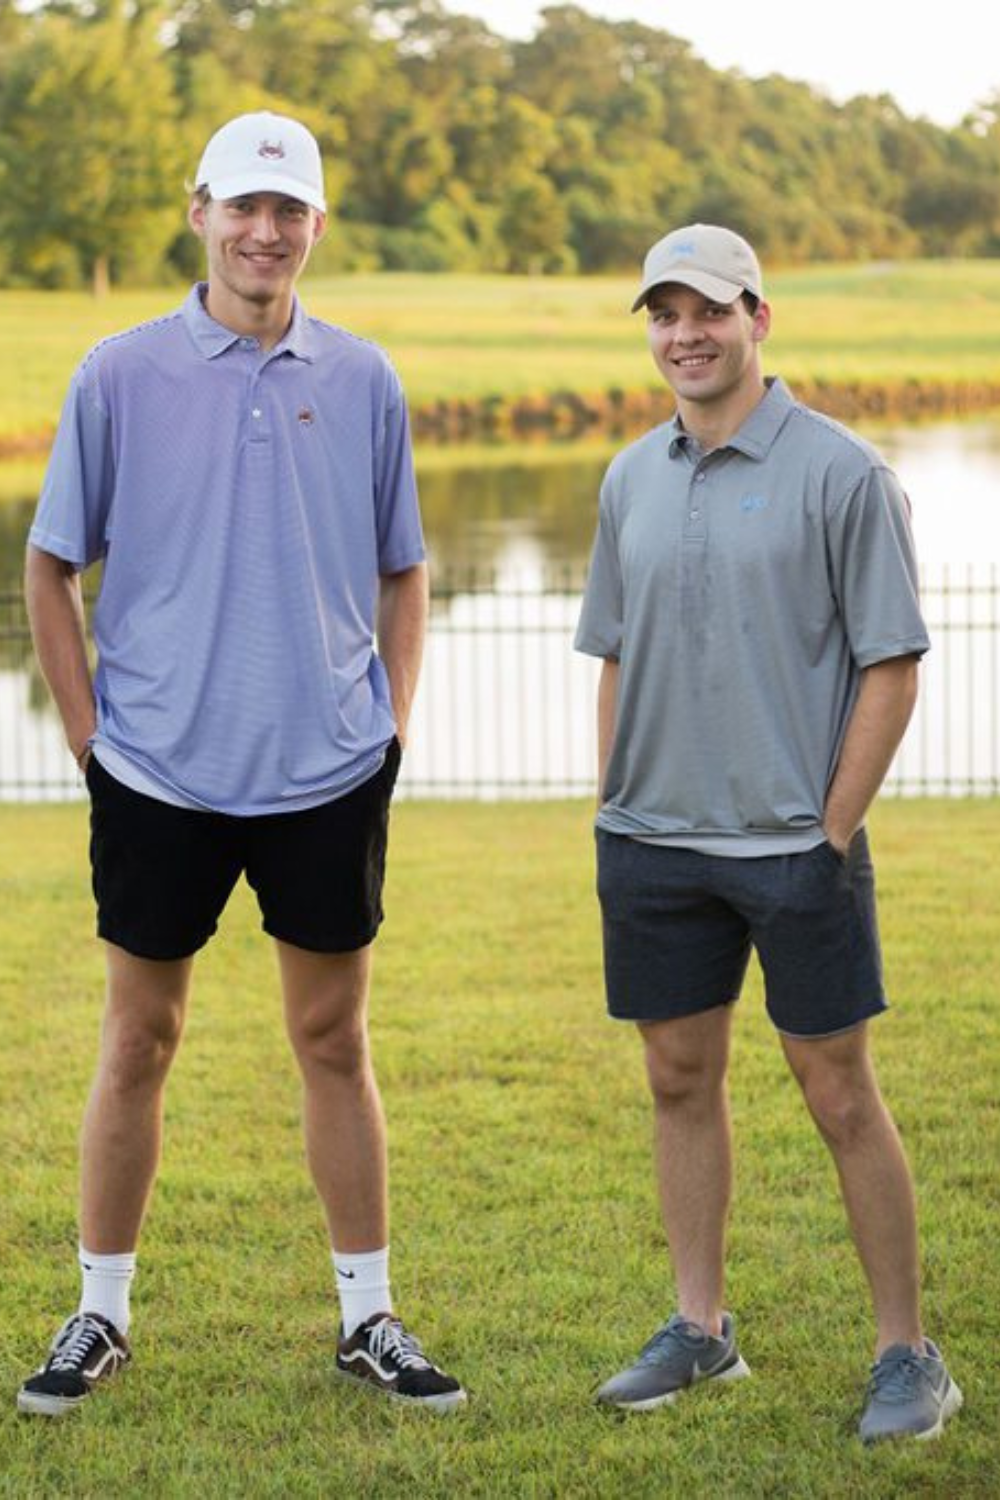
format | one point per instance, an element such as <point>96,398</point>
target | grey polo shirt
<point>743,591</point>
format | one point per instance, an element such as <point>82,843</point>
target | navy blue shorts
<point>162,874</point>
<point>679,927</point>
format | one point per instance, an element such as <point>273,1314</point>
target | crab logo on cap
<point>271,151</point>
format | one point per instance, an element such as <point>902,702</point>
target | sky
<point>937,61</point>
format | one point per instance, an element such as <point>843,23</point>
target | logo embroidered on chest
<point>751,503</point>
<point>306,417</point>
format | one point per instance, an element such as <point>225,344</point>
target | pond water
<point>512,517</point>
<point>507,708</point>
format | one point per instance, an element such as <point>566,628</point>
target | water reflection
<point>505,703</point>
<point>479,512</point>
<point>952,475</point>
<point>477,516</point>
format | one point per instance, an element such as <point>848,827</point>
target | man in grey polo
<point>753,596</point>
<point>242,474</point>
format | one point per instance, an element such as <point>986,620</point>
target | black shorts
<point>162,874</point>
<point>679,927</point>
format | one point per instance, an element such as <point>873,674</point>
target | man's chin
<point>261,296</point>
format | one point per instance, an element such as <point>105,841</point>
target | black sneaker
<point>381,1353</point>
<point>86,1349</point>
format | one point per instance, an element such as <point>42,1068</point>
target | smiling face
<point>708,353</point>
<point>256,247</point>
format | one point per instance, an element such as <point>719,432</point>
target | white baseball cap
<point>263,153</point>
<point>715,261</point>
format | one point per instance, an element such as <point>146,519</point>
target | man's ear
<point>196,216</point>
<point>319,226</point>
<point>761,322</point>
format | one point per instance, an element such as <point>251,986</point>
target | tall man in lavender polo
<point>243,473</point>
<point>753,596</point>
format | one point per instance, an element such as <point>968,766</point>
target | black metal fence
<point>506,707</point>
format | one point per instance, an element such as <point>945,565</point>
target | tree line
<point>450,148</point>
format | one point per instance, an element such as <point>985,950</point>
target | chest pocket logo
<point>751,503</point>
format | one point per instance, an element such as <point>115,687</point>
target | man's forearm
<point>402,626</point>
<point>55,610</point>
<point>877,724</point>
<point>607,711</point>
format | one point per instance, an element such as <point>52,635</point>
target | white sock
<point>107,1281</point>
<point>362,1286</point>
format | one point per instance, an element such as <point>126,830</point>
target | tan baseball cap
<point>715,261</point>
<point>263,153</point>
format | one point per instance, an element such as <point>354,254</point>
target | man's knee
<point>144,1018</point>
<point>840,1089</point>
<point>328,1040</point>
<point>136,1052</point>
<point>685,1063</point>
<point>326,1008</point>
<point>846,1112</point>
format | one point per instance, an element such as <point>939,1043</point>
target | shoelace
<point>76,1341</point>
<point>390,1337</point>
<point>666,1340</point>
<point>897,1380</point>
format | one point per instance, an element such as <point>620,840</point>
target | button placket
<point>258,414</point>
<point>694,521</point>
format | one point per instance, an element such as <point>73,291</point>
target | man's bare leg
<point>123,1122</point>
<point>326,1011</point>
<point>686,1060</point>
<point>840,1088</point>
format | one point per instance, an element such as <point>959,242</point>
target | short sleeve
<point>397,509</point>
<point>874,571</point>
<point>72,515</point>
<point>599,632</point>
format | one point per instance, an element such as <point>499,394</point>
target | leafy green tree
<point>13,22</point>
<point>533,226</point>
<point>89,102</point>
<point>954,212</point>
<point>449,147</point>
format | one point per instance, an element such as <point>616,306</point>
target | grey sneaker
<point>909,1395</point>
<point>86,1349</point>
<point>678,1356</point>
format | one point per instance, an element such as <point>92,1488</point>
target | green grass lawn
<point>473,336</point>
<point>526,1244</point>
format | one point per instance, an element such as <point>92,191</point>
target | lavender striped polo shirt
<point>244,503</point>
